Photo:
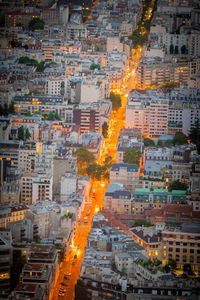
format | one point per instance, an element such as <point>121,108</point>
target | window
<point>184,250</point>
<point>177,249</point>
<point>191,250</point>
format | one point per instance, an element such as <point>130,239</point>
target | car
<point>75,256</point>
<point>62,290</point>
<point>73,263</point>
<point>63,283</point>
<point>66,277</point>
<point>61,294</point>
<point>67,274</point>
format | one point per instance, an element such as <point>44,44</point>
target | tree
<point>171,49</point>
<point>166,268</point>
<point>183,49</point>
<point>188,269</point>
<point>177,185</point>
<point>176,50</point>
<point>105,129</point>
<point>41,66</point>
<point>116,101</point>
<point>194,134</point>
<point>27,113</point>
<point>16,44</point>
<point>142,223</point>
<point>180,139</point>
<point>21,133</point>
<point>53,116</point>
<point>95,66</point>
<point>173,264</point>
<point>36,24</point>
<point>132,156</point>
<point>6,110</point>
<point>27,134</point>
<point>148,142</point>
<point>84,157</point>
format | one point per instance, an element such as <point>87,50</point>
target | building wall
<point>183,247</point>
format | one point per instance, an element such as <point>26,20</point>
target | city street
<point>75,253</point>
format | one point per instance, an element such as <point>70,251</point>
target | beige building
<point>60,167</point>
<point>156,71</point>
<point>158,122</point>
<point>182,245</point>
<point>119,201</point>
<point>147,113</point>
<point>10,192</point>
<point>127,174</point>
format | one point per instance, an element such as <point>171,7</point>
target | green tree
<point>36,24</point>
<point>183,49</point>
<point>176,50</point>
<point>142,223</point>
<point>16,44</point>
<point>116,101</point>
<point>95,66</point>
<point>41,66</point>
<point>21,135</point>
<point>171,49</point>
<point>173,264</point>
<point>194,134</point>
<point>34,92</point>
<point>53,116</point>
<point>188,269</point>
<point>132,156</point>
<point>6,110</point>
<point>166,268</point>
<point>180,139</point>
<point>27,113</point>
<point>177,185</point>
<point>27,134</point>
<point>105,129</point>
<point>148,142</point>
<point>84,159</point>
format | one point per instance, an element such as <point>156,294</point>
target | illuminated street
<point>74,255</point>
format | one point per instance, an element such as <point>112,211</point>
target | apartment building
<point>137,116</point>
<point>35,189</point>
<point>155,71</point>
<point>56,86</point>
<point>147,112</point>
<point>182,245</point>
<point>37,274</point>
<point>151,241</point>
<point>42,189</point>
<point>68,185</point>
<point>127,174</point>
<point>158,122</point>
<point>5,267</point>
<point>32,123</point>
<point>119,201</point>
<point>94,89</point>
<point>13,18</point>
<point>44,104</point>
<point>116,76</point>
<point>87,118</point>
<point>144,198</point>
<point>26,158</point>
